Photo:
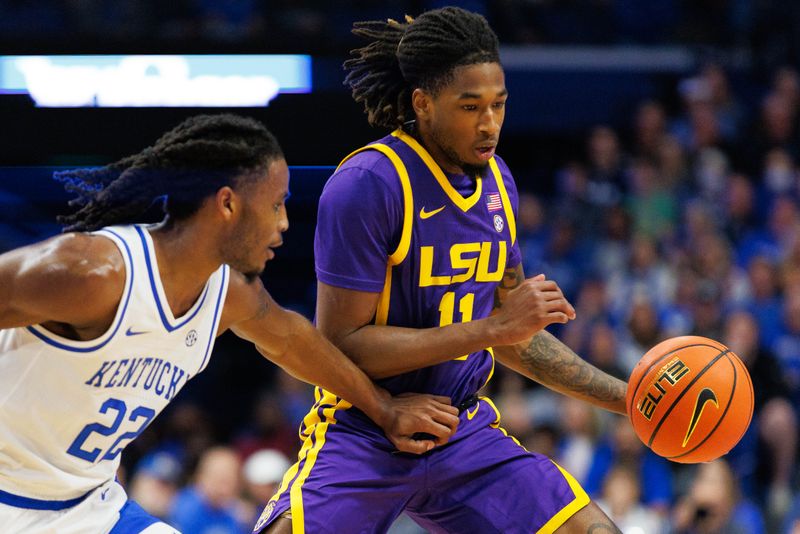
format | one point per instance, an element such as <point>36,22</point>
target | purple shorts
<point>481,481</point>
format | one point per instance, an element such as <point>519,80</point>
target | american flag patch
<point>493,202</point>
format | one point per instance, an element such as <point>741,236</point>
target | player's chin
<point>253,271</point>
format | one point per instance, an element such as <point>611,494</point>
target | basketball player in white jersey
<point>102,326</point>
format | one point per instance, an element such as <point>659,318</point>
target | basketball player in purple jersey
<point>419,276</point>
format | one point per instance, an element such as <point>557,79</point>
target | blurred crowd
<point>765,26</point>
<point>687,223</point>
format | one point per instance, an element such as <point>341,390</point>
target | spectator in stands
<point>673,166</point>
<point>764,301</point>
<point>532,229</point>
<point>712,259</point>
<point>647,275</point>
<point>726,106</point>
<point>780,173</point>
<point>770,444</point>
<point>787,344</point>
<point>580,426</point>
<point>603,351</point>
<point>262,474</point>
<point>786,84</point>
<point>650,129</point>
<point>155,483</point>
<point>621,500</point>
<point>775,128</point>
<point>607,185</point>
<point>210,505</point>
<point>612,246</point>
<point>641,332</point>
<point>772,240</point>
<point>740,209</point>
<point>651,204</point>
<point>268,428</point>
<point>623,448</point>
<point>713,505</point>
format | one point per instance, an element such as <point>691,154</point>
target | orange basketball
<point>690,399</point>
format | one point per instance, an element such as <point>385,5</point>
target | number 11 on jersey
<point>447,310</point>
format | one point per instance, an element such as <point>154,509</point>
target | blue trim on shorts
<point>133,518</point>
<point>39,504</point>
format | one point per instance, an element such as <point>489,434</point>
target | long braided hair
<point>182,168</point>
<point>418,53</point>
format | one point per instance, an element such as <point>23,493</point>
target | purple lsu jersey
<point>434,246</point>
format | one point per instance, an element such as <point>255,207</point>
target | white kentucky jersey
<point>68,408</point>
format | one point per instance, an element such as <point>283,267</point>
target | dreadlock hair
<point>182,168</point>
<point>420,53</point>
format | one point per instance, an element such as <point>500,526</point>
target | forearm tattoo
<point>553,364</point>
<point>511,278</point>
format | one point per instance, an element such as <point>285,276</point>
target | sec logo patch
<point>499,223</point>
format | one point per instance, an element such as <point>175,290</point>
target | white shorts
<point>104,510</point>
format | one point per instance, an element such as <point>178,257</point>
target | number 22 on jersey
<point>141,415</point>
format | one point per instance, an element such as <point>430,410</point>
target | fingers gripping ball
<point>690,399</point>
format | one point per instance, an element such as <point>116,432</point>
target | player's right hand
<point>418,422</point>
<point>529,308</point>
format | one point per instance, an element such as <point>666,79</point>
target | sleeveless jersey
<point>450,255</point>
<point>68,408</point>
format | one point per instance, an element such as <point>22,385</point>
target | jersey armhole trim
<point>72,345</point>
<point>223,291</point>
<point>507,207</point>
<point>396,257</point>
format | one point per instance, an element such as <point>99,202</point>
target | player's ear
<point>421,102</point>
<point>226,202</point>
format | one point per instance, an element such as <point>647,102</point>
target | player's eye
<point>469,107</point>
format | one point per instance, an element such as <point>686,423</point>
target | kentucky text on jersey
<point>156,374</point>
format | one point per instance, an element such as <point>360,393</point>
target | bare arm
<point>48,283</point>
<point>292,342</point>
<point>548,361</point>
<point>345,317</point>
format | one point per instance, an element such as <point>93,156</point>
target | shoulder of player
<point>505,171</point>
<point>83,261</point>
<point>71,278</point>
<point>367,165</point>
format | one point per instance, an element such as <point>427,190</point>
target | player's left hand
<point>416,413</point>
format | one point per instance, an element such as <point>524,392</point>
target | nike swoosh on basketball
<point>705,396</point>
<point>426,214</point>
<point>471,414</point>
<point>132,332</point>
